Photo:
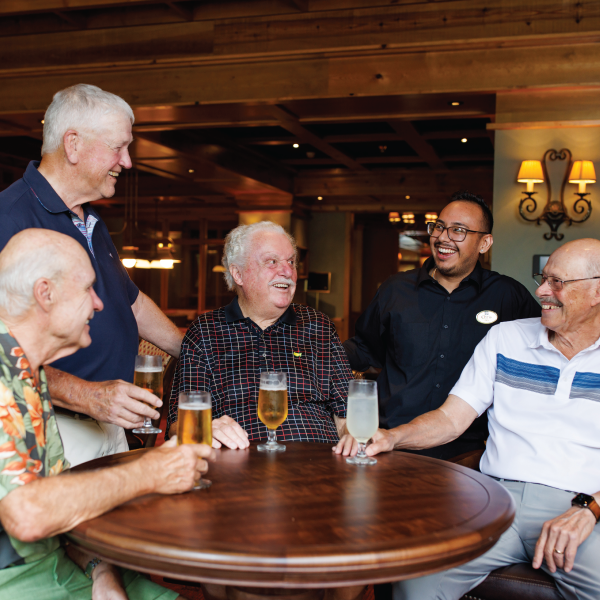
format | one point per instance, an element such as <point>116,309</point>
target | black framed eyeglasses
<point>555,283</point>
<point>455,232</point>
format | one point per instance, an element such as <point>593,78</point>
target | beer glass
<point>149,375</point>
<point>194,424</point>
<point>363,417</point>
<point>272,407</point>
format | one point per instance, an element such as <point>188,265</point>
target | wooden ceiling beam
<point>182,11</point>
<point>292,124</point>
<point>412,182</point>
<point>414,139</point>
<point>279,81</point>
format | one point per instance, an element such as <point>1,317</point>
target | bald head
<point>579,259</point>
<point>30,255</point>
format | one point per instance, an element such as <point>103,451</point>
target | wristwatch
<point>91,566</point>
<point>587,501</point>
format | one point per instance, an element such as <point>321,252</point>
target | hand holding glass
<point>149,375</point>
<point>194,423</point>
<point>272,407</point>
<point>363,417</point>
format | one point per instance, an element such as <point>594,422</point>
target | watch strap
<point>587,501</point>
<point>91,566</point>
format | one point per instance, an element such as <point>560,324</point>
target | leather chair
<point>515,582</point>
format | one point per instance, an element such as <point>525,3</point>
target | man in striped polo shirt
<point>539,379</point>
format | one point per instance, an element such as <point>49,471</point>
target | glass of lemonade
<point>149,375</point>
<point>272,407</point>
<point>363,417</point>
<point>194,423</point>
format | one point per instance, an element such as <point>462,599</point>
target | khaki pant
<point>535,504</point>
<point>85,438</point>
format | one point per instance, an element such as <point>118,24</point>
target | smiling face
<point>268,280</point>
<point>458,259</point>
<point>75,306</point>
<point>569,309</point>
<point>103,156</point>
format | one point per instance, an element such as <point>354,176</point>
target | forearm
<point>70,499</point>
<point>155,327</point>
<point>435,428</point>
<point>68,391</point>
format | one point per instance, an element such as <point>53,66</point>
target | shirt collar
<point>233,313</point>
<point>476,274</point>
<point>41,187</point>
<point>542,341</point>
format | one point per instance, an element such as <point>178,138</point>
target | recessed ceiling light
<point>455,103</point>
<point>42,121</point>
<point>319,197</point>
<point>407,197</point>
<point>190,170</point>
<point>296,145</point>
<point>464,140</point>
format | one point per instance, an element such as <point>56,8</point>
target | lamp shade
<point>530,172</point>
<point>582,172</point>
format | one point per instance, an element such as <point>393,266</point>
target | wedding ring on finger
<point>559,551</point>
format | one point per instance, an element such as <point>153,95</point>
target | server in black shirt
<point>423,325</point>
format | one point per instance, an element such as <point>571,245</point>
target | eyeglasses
<point>455,233</point>
<point>554,283</point>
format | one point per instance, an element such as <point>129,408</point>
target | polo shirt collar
<point>542,341</point>
<point>40,186</point>
<point>476,274</point>
<point>233,313</point>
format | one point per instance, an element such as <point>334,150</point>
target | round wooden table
<point>305,518</point>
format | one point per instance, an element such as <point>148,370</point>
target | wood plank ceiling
<point>271,104</point>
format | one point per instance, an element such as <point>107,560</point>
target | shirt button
<point>445,326</point>
<point>441,356</point>
<point>437,385</point>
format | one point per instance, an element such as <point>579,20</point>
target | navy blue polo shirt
<point>32,202</point>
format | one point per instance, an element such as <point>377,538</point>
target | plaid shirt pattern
<point>224,353</point>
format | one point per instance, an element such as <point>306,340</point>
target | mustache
<point>549,300</point>
<point>285,280</point>
<point>444,245</point>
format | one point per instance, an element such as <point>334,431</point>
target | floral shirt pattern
<point>30,444</point>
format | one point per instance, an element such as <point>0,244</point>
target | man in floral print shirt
<point>46,301</point>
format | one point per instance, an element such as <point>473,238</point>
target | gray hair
<point>30,255</point>
<point>81,107</point>
<point>237,246</point>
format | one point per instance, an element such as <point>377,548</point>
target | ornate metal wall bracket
<point>554,213</point>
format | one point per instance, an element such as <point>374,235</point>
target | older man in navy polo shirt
<point>87,133</point>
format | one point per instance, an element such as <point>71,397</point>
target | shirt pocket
<point>411,343</point>
<point>303,373</point>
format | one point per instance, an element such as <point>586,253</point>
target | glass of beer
<point>149,375</point>
<point>363,417</point>
<point>194,423</point>
<point>272,407</point>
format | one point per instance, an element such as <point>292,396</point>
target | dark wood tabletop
<point>305,518</point>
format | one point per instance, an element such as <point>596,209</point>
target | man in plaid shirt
<point>224,351</point>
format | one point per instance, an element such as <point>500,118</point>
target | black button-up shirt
<point>422,337</point>
<point>224,353</point>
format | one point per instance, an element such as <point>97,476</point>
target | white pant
<point>85,438</point>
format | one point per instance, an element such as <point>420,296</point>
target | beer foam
<point>198,405</point>
<point>148,370</point>
<point>273,388</point>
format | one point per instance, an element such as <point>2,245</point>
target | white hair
<point>237,246</point>
<point>81,107</point>
<point>30,255</point>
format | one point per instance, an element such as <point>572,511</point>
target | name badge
<point>487,317</point>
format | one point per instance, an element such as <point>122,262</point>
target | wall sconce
<point>554,213</point>
<point>408,218</point>
<point>394,217</point>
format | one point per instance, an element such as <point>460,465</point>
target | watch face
<point>582,500</point>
